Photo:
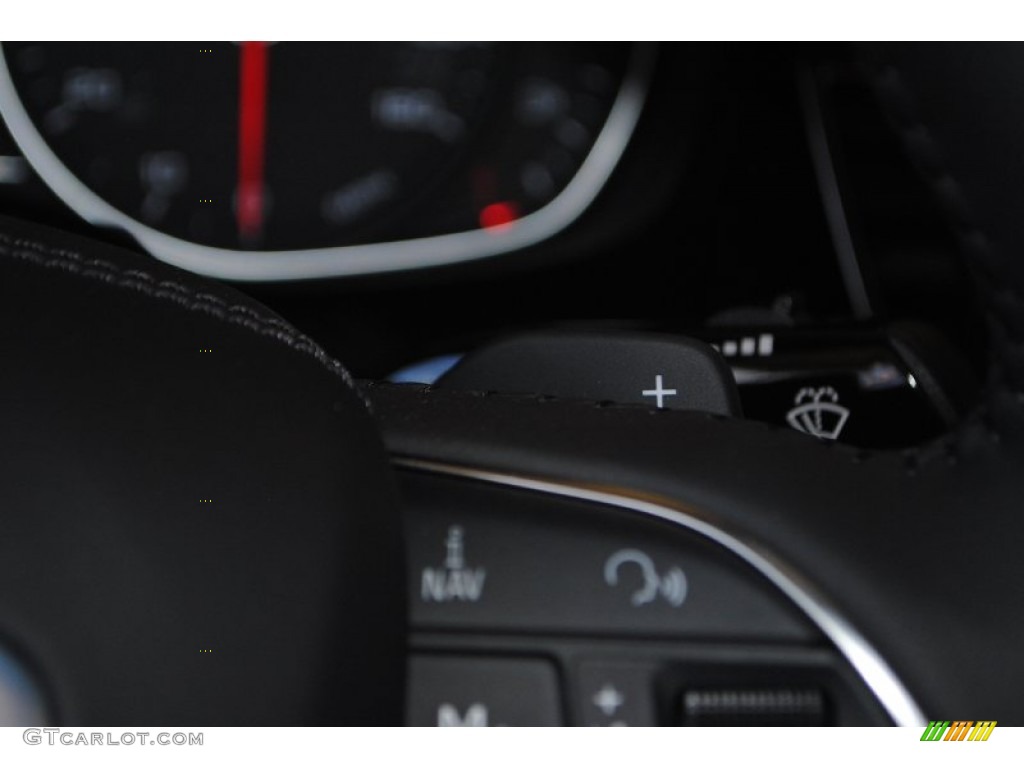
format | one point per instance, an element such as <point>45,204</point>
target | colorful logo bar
<point>958,730</point>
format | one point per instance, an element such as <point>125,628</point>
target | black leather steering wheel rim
<point>200,522</point>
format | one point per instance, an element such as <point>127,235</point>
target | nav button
<point>453,579</point>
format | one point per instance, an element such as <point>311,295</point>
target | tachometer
<point>293,160</point>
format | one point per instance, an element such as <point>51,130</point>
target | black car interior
<point>619,384</point>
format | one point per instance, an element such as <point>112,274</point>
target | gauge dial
<point>314,153</point>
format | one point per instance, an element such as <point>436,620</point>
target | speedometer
<point>280,161</point>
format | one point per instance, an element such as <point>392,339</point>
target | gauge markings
<point>361,143</point>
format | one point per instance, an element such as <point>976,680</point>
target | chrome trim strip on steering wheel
<point>869,665</point>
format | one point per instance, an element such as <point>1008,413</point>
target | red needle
<point>252,132</point>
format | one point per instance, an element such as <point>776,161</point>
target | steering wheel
<point>203,514</point>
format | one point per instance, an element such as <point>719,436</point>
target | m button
<point>480,692</point>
